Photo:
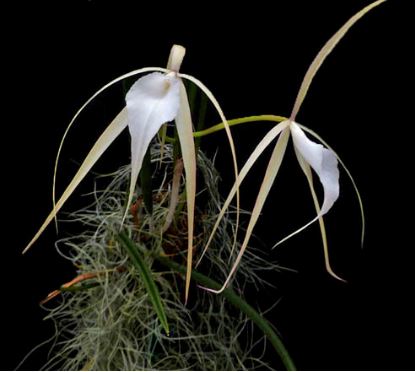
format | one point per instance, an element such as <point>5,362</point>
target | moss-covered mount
<point>130,287</point>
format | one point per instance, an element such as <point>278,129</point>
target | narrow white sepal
<point>324,163</point>
<point>176,56</point>
<point>184,128</point>
<point>100,146</point>
<point>152,101</point>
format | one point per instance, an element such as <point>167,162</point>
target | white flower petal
<point>260,148</point>
<point>323,162</point>
<point>324,53</point>
<point>84,106</point>
<point>185,131</point>
<point>100,146</point>
<point>269,178</point>
<point>219,110</point>
<point>151,101</point>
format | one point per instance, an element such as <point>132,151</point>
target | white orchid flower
<point>153,100</point>
<point>310,155</point>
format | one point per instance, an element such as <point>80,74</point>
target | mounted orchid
<point>310,156</point>
<point>153,100</point>
<point>124,307</point>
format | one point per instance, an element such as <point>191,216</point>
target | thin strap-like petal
<point>98,92</point>
<point>103,142</point>
<point>185,132</point>
<point>269,178</point>
<point>322,55</point>
<point>265,142</point>
<point>215,103</point>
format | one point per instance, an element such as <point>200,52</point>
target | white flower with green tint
<point>153,100</point>
<point>310,155</point>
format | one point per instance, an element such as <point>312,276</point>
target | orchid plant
<point>159,98</point>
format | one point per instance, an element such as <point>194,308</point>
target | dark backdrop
<point>253,58</point>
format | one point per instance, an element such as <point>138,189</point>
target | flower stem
<point>247,119</point>
<point>233,122</point>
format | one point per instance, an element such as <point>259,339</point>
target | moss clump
<point>107,322</point>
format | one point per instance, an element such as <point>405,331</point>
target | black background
<point>253,58</point>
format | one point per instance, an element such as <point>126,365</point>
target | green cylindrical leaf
<point>229,294</point>
<point>147,278</point>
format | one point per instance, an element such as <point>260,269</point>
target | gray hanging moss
<point>107,321</point>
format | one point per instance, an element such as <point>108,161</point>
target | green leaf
<point>230,295</point>
<point>147,278</point>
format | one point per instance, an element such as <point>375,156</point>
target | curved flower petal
<point>185,131</point>
<point>151,101</point>
<point>100,146</point>
<point>270,174</point>
<point>83,107</point>
<point>324,53</point>
<point>219,110</point>
<point>265,142</point>
<point>324,163</point>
